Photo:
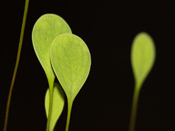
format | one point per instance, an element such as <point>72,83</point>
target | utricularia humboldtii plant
<point>142,59</point>
<point>64,55</point>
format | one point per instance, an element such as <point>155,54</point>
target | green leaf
<point>142,56</point>
<point>57,105</point>
<point>71,61</point>
<point>45,30</point>
<point>142,60</point>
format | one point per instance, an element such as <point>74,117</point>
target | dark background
<point>104,102</point>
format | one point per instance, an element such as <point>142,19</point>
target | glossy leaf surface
<point>142,56</point>
<point>57,106</point>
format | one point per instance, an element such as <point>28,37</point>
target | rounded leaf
<point>71,61</point>
<point>142,56</point>
<point>45,30</point>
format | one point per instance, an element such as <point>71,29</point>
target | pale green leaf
<point>71,61</point>
<point>57,105</point>
<point>45,30</point>
<point>142,56</point>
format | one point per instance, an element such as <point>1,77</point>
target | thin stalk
<point>50,106</point>
<point>17,63</point>
<point>68,115</point>
<point>134,108</point>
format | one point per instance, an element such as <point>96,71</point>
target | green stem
<point>17,63</point>
<point>68,115</point>
<point>134,108</point>
<point>50,105</point>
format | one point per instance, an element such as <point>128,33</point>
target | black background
<point>104,102</point>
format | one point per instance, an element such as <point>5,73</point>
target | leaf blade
<point>142,56</point>
<point>71,62</point>
<point>46,28</point>
<point>142,59</point>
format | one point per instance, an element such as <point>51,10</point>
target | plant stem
<point>134,108</point>
<point>17,63</point>
<point>68,115</point>
<point>50,105</point>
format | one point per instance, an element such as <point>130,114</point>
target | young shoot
<point>46,28</point>
<point>142,59</point>
<point>65,55</point>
